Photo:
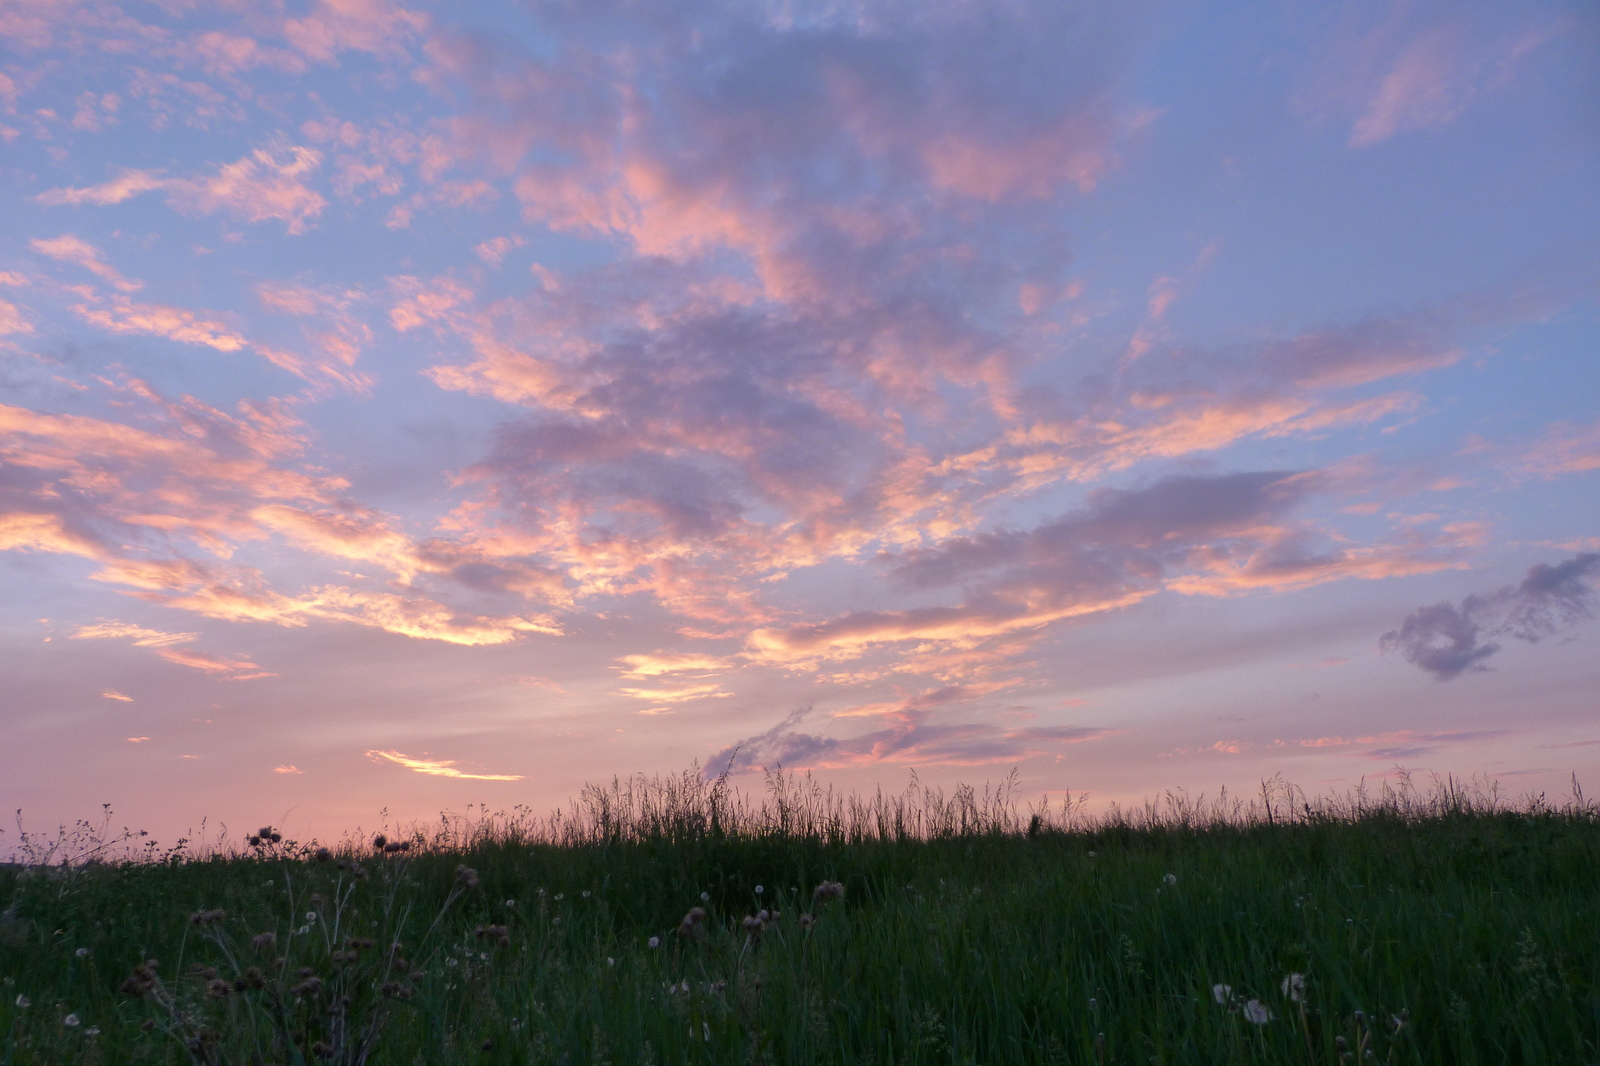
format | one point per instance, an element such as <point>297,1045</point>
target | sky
<point>410,405</point>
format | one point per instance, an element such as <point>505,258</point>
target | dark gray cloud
<point>1448,639</point>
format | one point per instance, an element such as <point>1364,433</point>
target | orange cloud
<point>438,767</point>
<point>113,694</point>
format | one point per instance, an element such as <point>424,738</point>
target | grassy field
<point>922,927</point>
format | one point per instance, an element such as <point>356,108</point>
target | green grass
<point>1449,928</point>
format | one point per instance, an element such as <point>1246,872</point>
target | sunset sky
<point>406,405</point>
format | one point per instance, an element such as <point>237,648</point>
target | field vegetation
<point>675,920</point>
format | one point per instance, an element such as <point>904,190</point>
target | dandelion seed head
<point>1170,879</point>
<point>82,953</point>
<point>760,889</point>
<point>1294,986</point>
<point>93,1030</point>
<point>586,893</point>
<point>1256,1012</point>
<point>511,904</point>
<point>311,916</point>
<point>653,942</point>
<point>705,897</point>
<point>1221,993</point>
<point>610,961</point>
<point>23,1002</point>
<point>71,1021</point>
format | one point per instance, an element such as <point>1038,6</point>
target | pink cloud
<point>262,186</point>
<point>70,249</point>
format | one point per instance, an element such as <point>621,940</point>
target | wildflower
<point>753,924</point>
<point>806,923</point>
<point>511,904</point>
<point>303,930</point>
<point>653,942</point>
<point>760,889</point>
<point>263,941</point>
<point>1294,986</point>
<point>70,1021</point>
<point>1170,879</point>
<point>1222,993</point>
<point>1091,854</point>
<point>266,884</point>
<point>691,921</point>
<point>323,855</point>
<point>1256,1012</point>
<point>466,877</point>
<point>1094,1004</point>
<point>379,841</point>
<point>82,953</point>
<point>93,1030</point>
<point>610,961</point>
<point>23,1002</point>
<point>828,890</point>
<point>705,897</point>
<point>560,896</point>
<point>311,916</point>
<point>586,893</point>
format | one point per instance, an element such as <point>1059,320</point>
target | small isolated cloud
<point>437,767</point>
<point>68,248</point>
<point>137,740</point>
<point>1448,639</point>
<point>287,769</point>
<point>113,694</point>
<point>11,320</point>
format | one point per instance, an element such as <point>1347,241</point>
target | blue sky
<point>407,405</point>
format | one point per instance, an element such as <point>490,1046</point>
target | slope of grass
<point>1451,928</point>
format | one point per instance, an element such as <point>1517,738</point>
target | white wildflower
<point>70,1021</point>
<point>23,1002</point>
<point>82,953</point>
<point>1256,1012</point>
<point>705,897</point>
<point>654,942</point>
<point>1222,993</point>
<point>1170,879</point>
<point>93,1030</point>
<point>760,889</point>
<point>511,904</point>
<point>1294,986</point>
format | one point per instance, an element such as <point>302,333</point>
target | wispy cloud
<point>437,767</point>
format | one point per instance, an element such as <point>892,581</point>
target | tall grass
<point>1399,925</point>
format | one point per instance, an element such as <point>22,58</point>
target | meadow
<point>675,920</point>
